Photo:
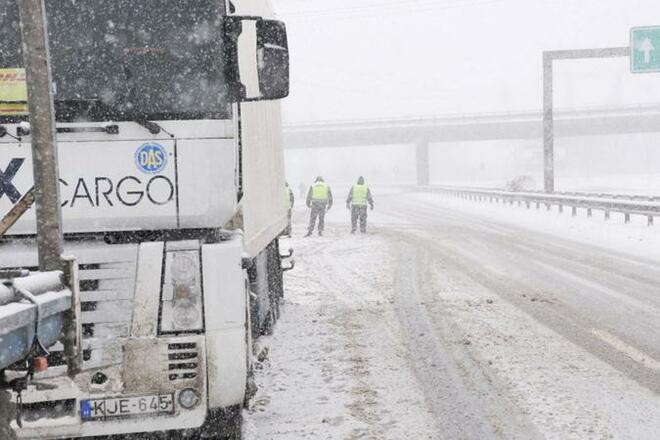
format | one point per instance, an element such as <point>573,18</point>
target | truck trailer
<point>172,193</point>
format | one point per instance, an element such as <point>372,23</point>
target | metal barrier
<point>627,205</point>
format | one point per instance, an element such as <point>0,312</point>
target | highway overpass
<point>422,131</point>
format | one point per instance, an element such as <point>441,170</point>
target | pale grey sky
<point>363,59</point>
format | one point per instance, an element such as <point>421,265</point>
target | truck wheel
<point>276,309</point>
<point>255,323</point>
<point>223,424</point>
<point>6,414</point>
<point>275,278</point>
<point>269,322</point>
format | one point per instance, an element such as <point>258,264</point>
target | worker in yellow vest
<point>319,198</point>
<point>358,198</point>
<point>290,200</point>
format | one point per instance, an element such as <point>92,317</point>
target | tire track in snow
<point>468,403</point>
<point>364,404</point>
<point>509,268</point>
<point>488,262</point>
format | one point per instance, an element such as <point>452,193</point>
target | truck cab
<point>171,175</point>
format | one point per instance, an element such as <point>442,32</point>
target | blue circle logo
<point>151,158</point>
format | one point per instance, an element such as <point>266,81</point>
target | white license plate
<point>99,409</point>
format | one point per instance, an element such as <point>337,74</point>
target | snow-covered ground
<point>636,238</point>
<point>634,184</point>
<point>336,368</point>
<point>458,320</point>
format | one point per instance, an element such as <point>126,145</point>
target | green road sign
<point>645,49</point>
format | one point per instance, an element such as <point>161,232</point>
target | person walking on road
<point>290,200</point>
<point>319,198</point>
<point>358,198</point>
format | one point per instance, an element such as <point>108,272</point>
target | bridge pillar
<point>422,161</point>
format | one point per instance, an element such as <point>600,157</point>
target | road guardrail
<point>628,205</point>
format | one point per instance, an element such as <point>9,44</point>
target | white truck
<point>172,190</point>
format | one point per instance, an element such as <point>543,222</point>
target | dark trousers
<point>359,212</point>
<point>318,211</point>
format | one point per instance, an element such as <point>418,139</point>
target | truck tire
<point>222,424</point>
<point>269,322</point>
<point>276,309</point>
<point>255,324</point>
<point>275,276</point>
<point>7,413</point>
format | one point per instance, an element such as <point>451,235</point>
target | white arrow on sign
<point>647,48</point>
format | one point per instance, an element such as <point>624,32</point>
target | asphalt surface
<point>589,295</point>
<point>442,323</point>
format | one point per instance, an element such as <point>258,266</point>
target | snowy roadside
<point>336,368</point>
<point>555,387</point>
<point>635,238</point>
<point>635,184</point>
<point>389,336</point>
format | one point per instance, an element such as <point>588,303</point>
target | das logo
<point>151,158</point>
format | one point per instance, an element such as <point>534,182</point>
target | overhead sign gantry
<point>644,54</point>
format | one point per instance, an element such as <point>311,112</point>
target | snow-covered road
<point>456,321</point>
